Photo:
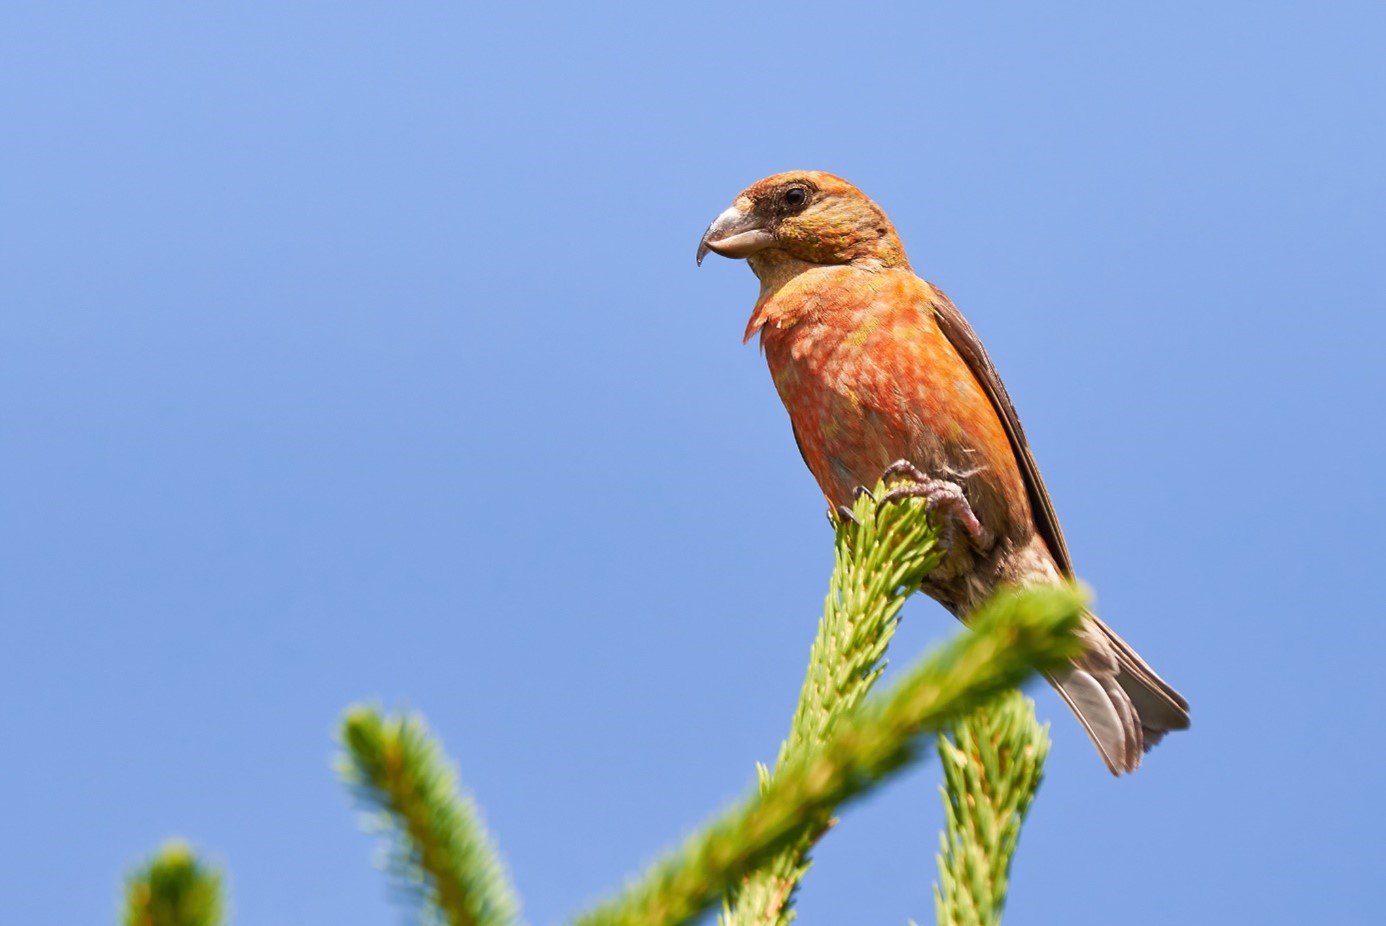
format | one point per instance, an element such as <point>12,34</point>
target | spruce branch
<point>441,852</point>
<point>992,768</point>
<point>880,558</point>
<point>173,889</point>
<point>1013,635</point>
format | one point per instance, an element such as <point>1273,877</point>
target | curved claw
<point>860,491</point>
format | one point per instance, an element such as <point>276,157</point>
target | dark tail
<point>1125,707</point>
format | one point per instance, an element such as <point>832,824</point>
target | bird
<point>883,377</point>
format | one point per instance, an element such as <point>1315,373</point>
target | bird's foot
<point>941,496</point>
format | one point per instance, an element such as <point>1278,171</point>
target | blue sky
<point>357,351</point>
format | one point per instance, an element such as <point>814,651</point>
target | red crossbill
<point>880,372</point>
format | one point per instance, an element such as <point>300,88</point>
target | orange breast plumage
<point>868,378</point>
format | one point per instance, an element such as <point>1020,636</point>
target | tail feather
<point>1125,707</point>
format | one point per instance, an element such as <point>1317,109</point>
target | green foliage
<point>441,852</point>
<point>1014,634</point>
<point>992,767</point>
<point>881,557</point>
<point>841,745</point>
<point>173,889</point>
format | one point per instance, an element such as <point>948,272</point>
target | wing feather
<point>960,334</point>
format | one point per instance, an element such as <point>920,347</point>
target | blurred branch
<point>441,852</point>
<point>173,889</point>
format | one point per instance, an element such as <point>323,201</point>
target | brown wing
<point>960,334</point>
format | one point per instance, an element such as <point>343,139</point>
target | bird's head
<point>808,216</point>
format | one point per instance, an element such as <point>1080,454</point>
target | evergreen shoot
<point>880,558</point>
<point>992,767</point>
<point>173,889</point>
<point>1017,632</point>
<point>441,855</point>
<point>841,745</point>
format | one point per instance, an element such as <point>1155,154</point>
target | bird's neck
<point>796,295</point>
<point>776,268</point>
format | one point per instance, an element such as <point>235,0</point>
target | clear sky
<point>357,351</point>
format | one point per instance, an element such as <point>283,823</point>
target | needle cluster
<point>842,744</point>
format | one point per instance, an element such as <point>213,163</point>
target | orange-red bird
<point>880,372</point>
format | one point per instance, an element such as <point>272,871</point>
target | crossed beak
<point>735,234</point>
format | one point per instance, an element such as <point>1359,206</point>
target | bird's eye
<point>795,196</point>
